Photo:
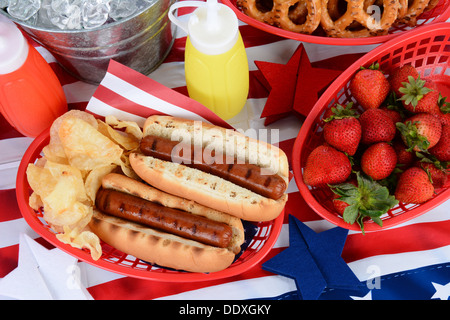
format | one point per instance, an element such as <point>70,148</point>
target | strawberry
<point>414,186</point>
<point>376,126</point>
<point>445,118</point>
<point>436,170</point>
<point>326,165</point>
<point>365,199</point>
<point>342,129</point>
<point>405,158</point>
<point>420,95</point>
<point>442,149</point>
<point>338,204</point>
<point>401,74</point>
<point>393,114</point>
<point>370,87</point>
<point>394,108</point>
<point>421,131</point>
<point>444,107</point>
<point>379,160</point>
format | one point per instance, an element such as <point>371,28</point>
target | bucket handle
<point>183,4</point>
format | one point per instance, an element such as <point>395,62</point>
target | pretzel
<point>356,13</point>
<point>431,5</point>
<point>301,16</point>
<point>409,12</point>
<point>333,9</point>
<point>298,12</point>
<point>261,10</point>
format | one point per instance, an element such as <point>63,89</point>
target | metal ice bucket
<point>141,42</point>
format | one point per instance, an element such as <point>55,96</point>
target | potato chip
<point>59,188</point>
<point>85,147</point>
<point>126,167</point>
<point>35,201</point>
<point>41,162</point>
<point>55,154</point>
<point>66,179</point>
<point>126,141</point>
<point>94,180</point>
<point>80,240</point>
<point>130,126</point>
<point>89,240</point>
<point>63,215</point>
<point>40,180</point>
<point>73,176</point>
<point>55,146</point>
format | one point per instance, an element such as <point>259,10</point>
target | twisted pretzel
<point>261,10</point>
<point>301,16</point>
<point>335,8</point>
<point>409,11</point>
<point>356,12</point>
<point>431,5</point>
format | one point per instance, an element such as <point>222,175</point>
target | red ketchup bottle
<point>31,96</point>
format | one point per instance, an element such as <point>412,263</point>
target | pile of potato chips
<point>65,180</point>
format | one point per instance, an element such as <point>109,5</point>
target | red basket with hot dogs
<point>170,201</point>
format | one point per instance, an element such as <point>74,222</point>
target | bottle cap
<point>213,29</point>
<point>13,47</point>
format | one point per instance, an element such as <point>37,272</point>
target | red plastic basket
<point>428,49</point>
<point>122,263</point>
<point>440,13</point>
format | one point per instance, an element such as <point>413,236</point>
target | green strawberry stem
<point>368,199</point>
<point>444,106</point>
<point>412,137</point>
<point>429,158</point>
<point>373,66</point>
<point>341,112</point>
<point>393,103</point>
<point>413,91</point>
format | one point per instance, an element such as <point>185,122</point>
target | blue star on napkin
<point>314,260</point>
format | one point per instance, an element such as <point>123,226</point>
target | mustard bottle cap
<point>212,28</point>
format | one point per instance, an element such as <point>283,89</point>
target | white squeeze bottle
<point>216,66</point>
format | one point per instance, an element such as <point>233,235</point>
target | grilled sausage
<point>246,175</point>
<point>163,218</point>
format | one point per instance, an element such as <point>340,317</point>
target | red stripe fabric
<point>9,201</point>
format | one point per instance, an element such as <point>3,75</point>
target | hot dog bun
<point>207,189</point>
<point>159,247</point>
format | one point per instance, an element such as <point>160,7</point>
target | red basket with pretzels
<point>260,237</point>
<point>428,49</point>
<point>439,13</point>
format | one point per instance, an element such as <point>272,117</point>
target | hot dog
<point>245,175</point>
<point>219,168</point>
<point>164,229</point>
<point>183,224</point>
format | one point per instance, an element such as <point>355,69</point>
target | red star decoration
<point>294,87</point>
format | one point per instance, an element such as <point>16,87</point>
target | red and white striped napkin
<point>131,96</point>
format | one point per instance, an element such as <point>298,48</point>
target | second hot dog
<point>164,229</point>
<point>181,223</point>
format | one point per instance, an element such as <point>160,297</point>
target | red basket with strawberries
<point>336,180</point>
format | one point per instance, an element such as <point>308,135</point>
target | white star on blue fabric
<point>442,291</point>
<point>368,296</point>
<point>314,261</point>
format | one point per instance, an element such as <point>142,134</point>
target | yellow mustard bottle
<point>216,65</point>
